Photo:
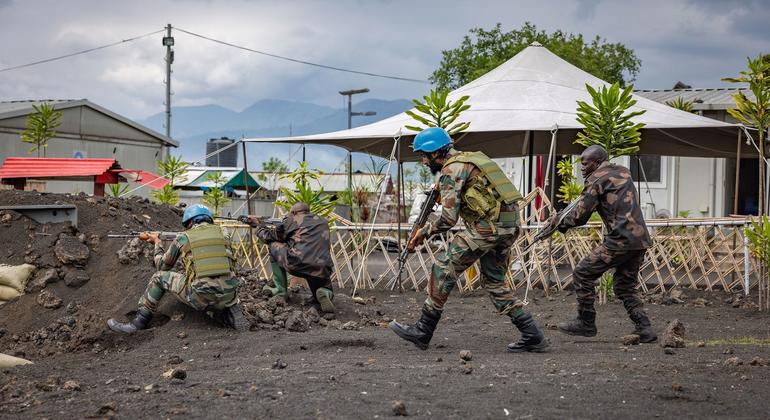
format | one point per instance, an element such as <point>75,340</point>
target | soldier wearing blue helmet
<point>473,188</point>
<point>208,283</point>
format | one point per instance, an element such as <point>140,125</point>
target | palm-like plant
<point>319,202</point>
<point>438,112</point>
<point>755,113</point>
<point>606,121</point>
<point>214,197</point>
<point>41,127</point>
<point>166,195</point>
<point>681,104</point>
<point>569,189</point>
<point>116,190</point>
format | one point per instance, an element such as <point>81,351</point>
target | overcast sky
<point>697,42</point>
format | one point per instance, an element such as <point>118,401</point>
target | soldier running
<point>209,282</point>
<point>610,191</point>
<point>301,246</point>
<point>474,187</point>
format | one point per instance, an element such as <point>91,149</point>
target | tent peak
<point>535,44</point>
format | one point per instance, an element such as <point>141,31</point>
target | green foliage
<point>41,127</point>
<point>755,113</point>
<point>116,190</point>
<point>606,121</point>
<point>570,188</point>
<point>605,287</point>
<point>680,104</point>
<point>215,198</point>
<point>438,112</point>
<point>174,169</point>
<point>166,195</point>
<point>319,202</point>
<point>759,240</point>
<point>273,166</point>
<point>684,213</point>
<point>483,50</point>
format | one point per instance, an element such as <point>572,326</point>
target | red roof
<point>16,167</point>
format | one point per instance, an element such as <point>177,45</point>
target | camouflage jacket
<point>179,249</point>
<point>307,237</point>
<point>611,192</point>
<point>452,181</point>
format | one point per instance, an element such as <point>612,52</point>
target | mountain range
<point>193,126</point>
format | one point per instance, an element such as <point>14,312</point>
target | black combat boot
<point>584,325</point>
<point>232,317</point>
<point>532,339</point>
<point>421,332</point>
<point>140,321</point>
<point>642,326</point>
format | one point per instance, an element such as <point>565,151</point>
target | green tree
<point>438,112</point>
<point>116,190</point>
<point>41,127</point>
<point>320,203</point>
<point>483,50</point>
<point>570,188</point>
<point>175,170</point>
<point>606,121</point>
<point>681,104</point>
<point>758,234</point>
<point>755,113</point>
<point>273,166</point>
<point>215,197</point>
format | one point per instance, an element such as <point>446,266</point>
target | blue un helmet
<point>431,139</point>
<point>196,212</point>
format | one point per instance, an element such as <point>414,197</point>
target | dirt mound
<point>79,281</point>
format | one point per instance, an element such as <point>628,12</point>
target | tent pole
<point>398,206</point>
<point>246,178</point>
<point>530,180</point>
<point>737,173</point>
<point>638,179</point>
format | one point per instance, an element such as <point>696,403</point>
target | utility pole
<point>351,114</point>
<point>168,42</point>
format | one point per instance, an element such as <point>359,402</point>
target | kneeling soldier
<point>300,245</point>
<point>208,283</point>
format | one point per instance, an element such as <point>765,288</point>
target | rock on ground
<point>49,300</point>
<point>674,335</point>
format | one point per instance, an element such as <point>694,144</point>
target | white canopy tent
<point>515,106</point>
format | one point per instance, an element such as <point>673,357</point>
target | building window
<point>651,168</point>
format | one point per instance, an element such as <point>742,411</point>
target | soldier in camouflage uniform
<point>474,187</point>
<point>301,246</point>
<point>209,282</point>
<point>610,191</point>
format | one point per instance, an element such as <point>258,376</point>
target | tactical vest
<point>209,253</point>
<point>484,194</point>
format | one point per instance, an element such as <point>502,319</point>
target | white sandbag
<point>7,361</point>
<point>8,293</point>
<point>15,276</point>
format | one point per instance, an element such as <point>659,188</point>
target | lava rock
<point>466,355</point>
<point>76,278</point>
<point>297,322</point>
<point>630,339</point>
<point>350,325</point>
<point>280,364</point>
<point>733,361</point>
<point>399,409</point>
<point>669,350</point>
<point>69,250</point>
<point>265,316</point>
<point>49,300</point>
<point>758,361</point>
<point>674,335</point>
<point>71,386</point>
<point>42,279</point>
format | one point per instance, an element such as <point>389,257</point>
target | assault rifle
<point>425,211</point>
<point>548,230</point>
<point>164,236</point>
<point>270,221</point>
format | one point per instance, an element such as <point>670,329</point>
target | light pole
<point>168,42</point>
<point>351,114</point>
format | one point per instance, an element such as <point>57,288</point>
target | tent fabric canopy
<point>521,101</point>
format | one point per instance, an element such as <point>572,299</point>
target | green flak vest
<point>484,194</point>
<point>209,253</point>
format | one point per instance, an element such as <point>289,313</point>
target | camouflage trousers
<point>466,248</point>
<point>313,282</point>
<point>624,282</point>
<point>293,263</point>
<point>177,284</point>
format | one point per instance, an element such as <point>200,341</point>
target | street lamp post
<point>351,114</point>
